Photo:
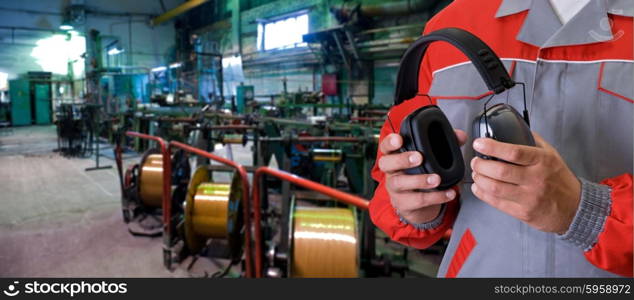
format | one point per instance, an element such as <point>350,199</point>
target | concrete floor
<point>58,220</point>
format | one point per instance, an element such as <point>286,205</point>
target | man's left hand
<point>538,188</point>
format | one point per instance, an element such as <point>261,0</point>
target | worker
<point>562,208</point>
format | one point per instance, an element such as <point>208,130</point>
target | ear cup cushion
<point>428,131</point>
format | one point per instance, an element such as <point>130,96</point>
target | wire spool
<point>327,155</point>
<point>213,210</point>
<point>324,243</point>
<point>239,139</point>
<point>151,180</point>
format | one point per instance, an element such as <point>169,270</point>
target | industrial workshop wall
<point>383,36</point>
<point>24,23</point>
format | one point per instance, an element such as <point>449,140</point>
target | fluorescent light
<point>66,27</point>
<point>175,65</point>
<point>115,51</point>
<point>159,69</point>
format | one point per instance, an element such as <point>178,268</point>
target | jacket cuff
<point>588,223</point>
<point>428,225</point>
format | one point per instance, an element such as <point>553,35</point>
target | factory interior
<point>199,138</point>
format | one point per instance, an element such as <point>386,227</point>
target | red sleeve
<point>613,250</point>
<point>382,213</point>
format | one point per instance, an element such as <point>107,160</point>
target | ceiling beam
<point>177,11</point>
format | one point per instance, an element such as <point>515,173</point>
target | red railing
<point>167,180</point>
<point>245,195</point>
<point>308,184</point>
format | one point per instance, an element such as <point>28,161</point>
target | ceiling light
<point>115,51</point>
<point>66,26</point>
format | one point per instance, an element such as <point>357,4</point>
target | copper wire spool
<point>239,139</point>
<point>213,210</point>
<point>324,243</point>
<point>151,180</point>
<point>327,155</point>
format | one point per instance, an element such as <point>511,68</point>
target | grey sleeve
<point>428,225</point>
<point>588,223</point>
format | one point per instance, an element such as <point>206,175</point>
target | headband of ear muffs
<point>427,129</point>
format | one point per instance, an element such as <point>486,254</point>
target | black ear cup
<point>503,123</point>
<point>428,131</point>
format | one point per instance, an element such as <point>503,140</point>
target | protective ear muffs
<point>502,123</point>
<point>427,129</point>
<point>440,149</point>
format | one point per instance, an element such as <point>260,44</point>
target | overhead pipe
<point>294,179</point>
<point>393,9</point>
<point>402,8</point>
<point>177,11</point>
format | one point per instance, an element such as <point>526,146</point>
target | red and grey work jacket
<point>580,95</point>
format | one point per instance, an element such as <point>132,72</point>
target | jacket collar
<point>542,27</point>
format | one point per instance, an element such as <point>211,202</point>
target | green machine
<point>31,100</point>
<point>42,101</point>
<point>20,94</point>
<point>244,95</point>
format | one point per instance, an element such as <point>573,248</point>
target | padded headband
<point>483,58</point>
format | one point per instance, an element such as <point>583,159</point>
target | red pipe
<point>327,139</point>
<point>167,180</point>
<point>313,139</point>
<point>311,185</point>
<point>245,195</point>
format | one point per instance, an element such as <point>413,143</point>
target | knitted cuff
<point>428,225</point>
<point>594,208</point>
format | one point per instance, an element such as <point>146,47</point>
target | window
<point>4,81</point>
<point>55,53</point>
<point>283,34</point>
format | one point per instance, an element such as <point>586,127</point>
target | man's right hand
<point>415,206</point>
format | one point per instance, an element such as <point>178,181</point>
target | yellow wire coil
<point>212,210</point>
<point>233,139</point>
<point>151,181</point>
<point>325,243</point>
<point>327,158</point>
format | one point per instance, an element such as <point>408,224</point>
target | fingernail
<point>472,162</point>
<point>478,145</point>
<point>450,194</point>
<point>474,188</point>
<point>414,159</point>
<point>394,141</point>
<point>433,179</point>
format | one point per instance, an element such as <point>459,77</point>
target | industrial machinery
<point>215,218</point>
<point>144,186</point>
<point>78,129</point>
<point>305,240</point>
<point>72,137</point>
<point>213,211</point>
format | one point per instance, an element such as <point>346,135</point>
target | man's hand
<point>415,206</point>
<point>538,188</point>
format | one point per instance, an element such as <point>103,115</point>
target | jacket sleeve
<point>602,226</point>
<point>382,212</point>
